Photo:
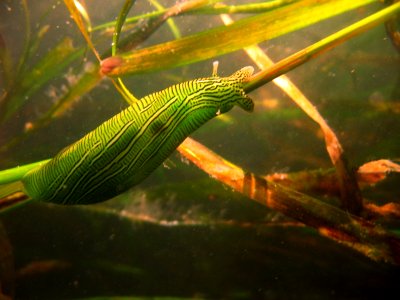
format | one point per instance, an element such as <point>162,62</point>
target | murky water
<point>181,233</point>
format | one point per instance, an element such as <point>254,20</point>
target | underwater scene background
<point>298,199</point>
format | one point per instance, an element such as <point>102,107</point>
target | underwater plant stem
<point>27,41</point>
<point>118,83</point>
<point>9,205</point>
<point>171,23</point>
<point>208,9</point>
<point>146,28</point>
<point>76,15</point>
<point>14,174</point>
<point>259,7</point>
<point>118,26</point>
<point>304,55</point>
<point>221,40</point>
<point>393,30</point>
<point>150,15</point>
<point>350,193</point>
<point>369,239</point>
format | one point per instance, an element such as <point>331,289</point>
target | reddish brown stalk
<point>363,236</point>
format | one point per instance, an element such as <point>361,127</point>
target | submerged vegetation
<point>347,196</point>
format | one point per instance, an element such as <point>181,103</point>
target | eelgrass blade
<point>118,26</point>
<point>46,69</point>
<point>370,239</point>
<point>350,193</point>
<point>11,71</point>
<point>119,84</point>
<point>304,55</point>
<point>76,15</point>
<point>224,39</point>
<point>249,8</point>
<point>144,29</point>
<point>15,174</point>
<point>213,7</point>
<point>171,23</point>
<point>86,82</point>
<point>27,38</point>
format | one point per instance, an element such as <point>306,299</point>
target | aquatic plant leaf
<point>27,39</point>
<point>46,69</point>
<point>84,84</point>
<point>351,197</point>
<point>225,39</point>
<point>141,33</point>
<point>171,23</point>
<point>52,63</point>
<point>120,22</point>
<point>119,84</point>
<point>374,171</point>
<point>220,8</point>
<point>388,210</point>
<point>11,70</point>
<point>369,239</point>
<point>146,27</point>
<point>36,41</point>
<point>10,175</point>
<point>330,41</point>
<point>212,7</point>
<point>77,10</point>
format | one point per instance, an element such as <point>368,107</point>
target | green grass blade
<point>11,71</point>
<point>86,82</point>
<point>224,39</point>
<point>149,25</point>
<point>244,8</point>
<point>36,41</point>
<point>15,174</point>
<point>172,26</point>
<point>27,39</point>
<point>209,8</point>
<point>46,69</point>
<point>118,26</point>
<point>119,84</point>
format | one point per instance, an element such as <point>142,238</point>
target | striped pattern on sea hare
<point>128,147</point>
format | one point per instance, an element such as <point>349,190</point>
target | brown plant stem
<point>371,240</point>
